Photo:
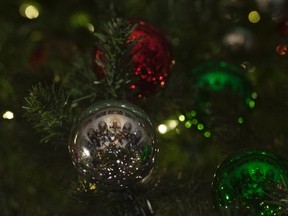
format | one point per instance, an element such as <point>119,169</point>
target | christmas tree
<point>144,107</point>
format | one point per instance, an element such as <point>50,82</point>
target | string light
<point>181,118</point>
<point>254,17</point>
<point>167,126</point>
<point>29,11</point>
<point>162,128</point>
<point>240,120</point>
<point>8,115</point>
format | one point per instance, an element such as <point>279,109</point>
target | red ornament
<point>152,59</point>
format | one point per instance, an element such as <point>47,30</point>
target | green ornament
<point>250,181</point>
<point>221,86</point>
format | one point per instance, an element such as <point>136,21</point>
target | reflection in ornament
<point>151,58</point>
<point>114,144</point>
<point>250,180</point>
<point>220,84</point>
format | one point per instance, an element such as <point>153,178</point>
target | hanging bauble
<point>113,144</point>
<point>249,181</point>
<point>151,58</point>
<point>221,88</point>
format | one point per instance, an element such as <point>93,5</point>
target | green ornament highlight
<point>220,86</point>
<point>250,182</point>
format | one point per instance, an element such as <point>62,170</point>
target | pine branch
<point>82,81</point>
<point>48,109</point>
<point>116,47</point>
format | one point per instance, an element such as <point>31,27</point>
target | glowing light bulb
<point>172,124</point>
<point>8,115</point>
<point>254,17</point>
<point>207,134</point>
<point>181,118</point>
<point>254,95</point>
<point>29,11</point>
<point>188,124</point>
<point>240,120</point>
<point>162,128</point>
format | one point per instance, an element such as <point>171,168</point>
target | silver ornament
<point>113,144</point>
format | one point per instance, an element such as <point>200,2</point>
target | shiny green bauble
<point>250,182</point>
<point>220,86</point>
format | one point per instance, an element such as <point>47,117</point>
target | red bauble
<point>151,57</point>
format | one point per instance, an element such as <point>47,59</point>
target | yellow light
<point>92,186</point>
<point>29,11</point>
<point>162,128</point>
<point>167,126</point>
<point>172,124</point>
<point>254,17</point>
<point>8,115</point>
<point>181,118</point>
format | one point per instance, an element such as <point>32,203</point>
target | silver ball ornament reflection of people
<point>113,144</point>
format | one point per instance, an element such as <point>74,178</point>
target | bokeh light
<point>29,11</point>
<point>181,118</point>
<point>8,115</point>
<point>167,126</point>
<point>254,17</point>
<point>282,49</point>
<point>162,128</point>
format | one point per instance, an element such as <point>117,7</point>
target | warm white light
<point>162,128</point>
<point>86,152</point>
<point>167,126</point>
<point>181,118</point>
<point>8,115</point>
<point>172,124</point>
<point>29,11</point>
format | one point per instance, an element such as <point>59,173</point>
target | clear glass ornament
<point>113,144</point>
